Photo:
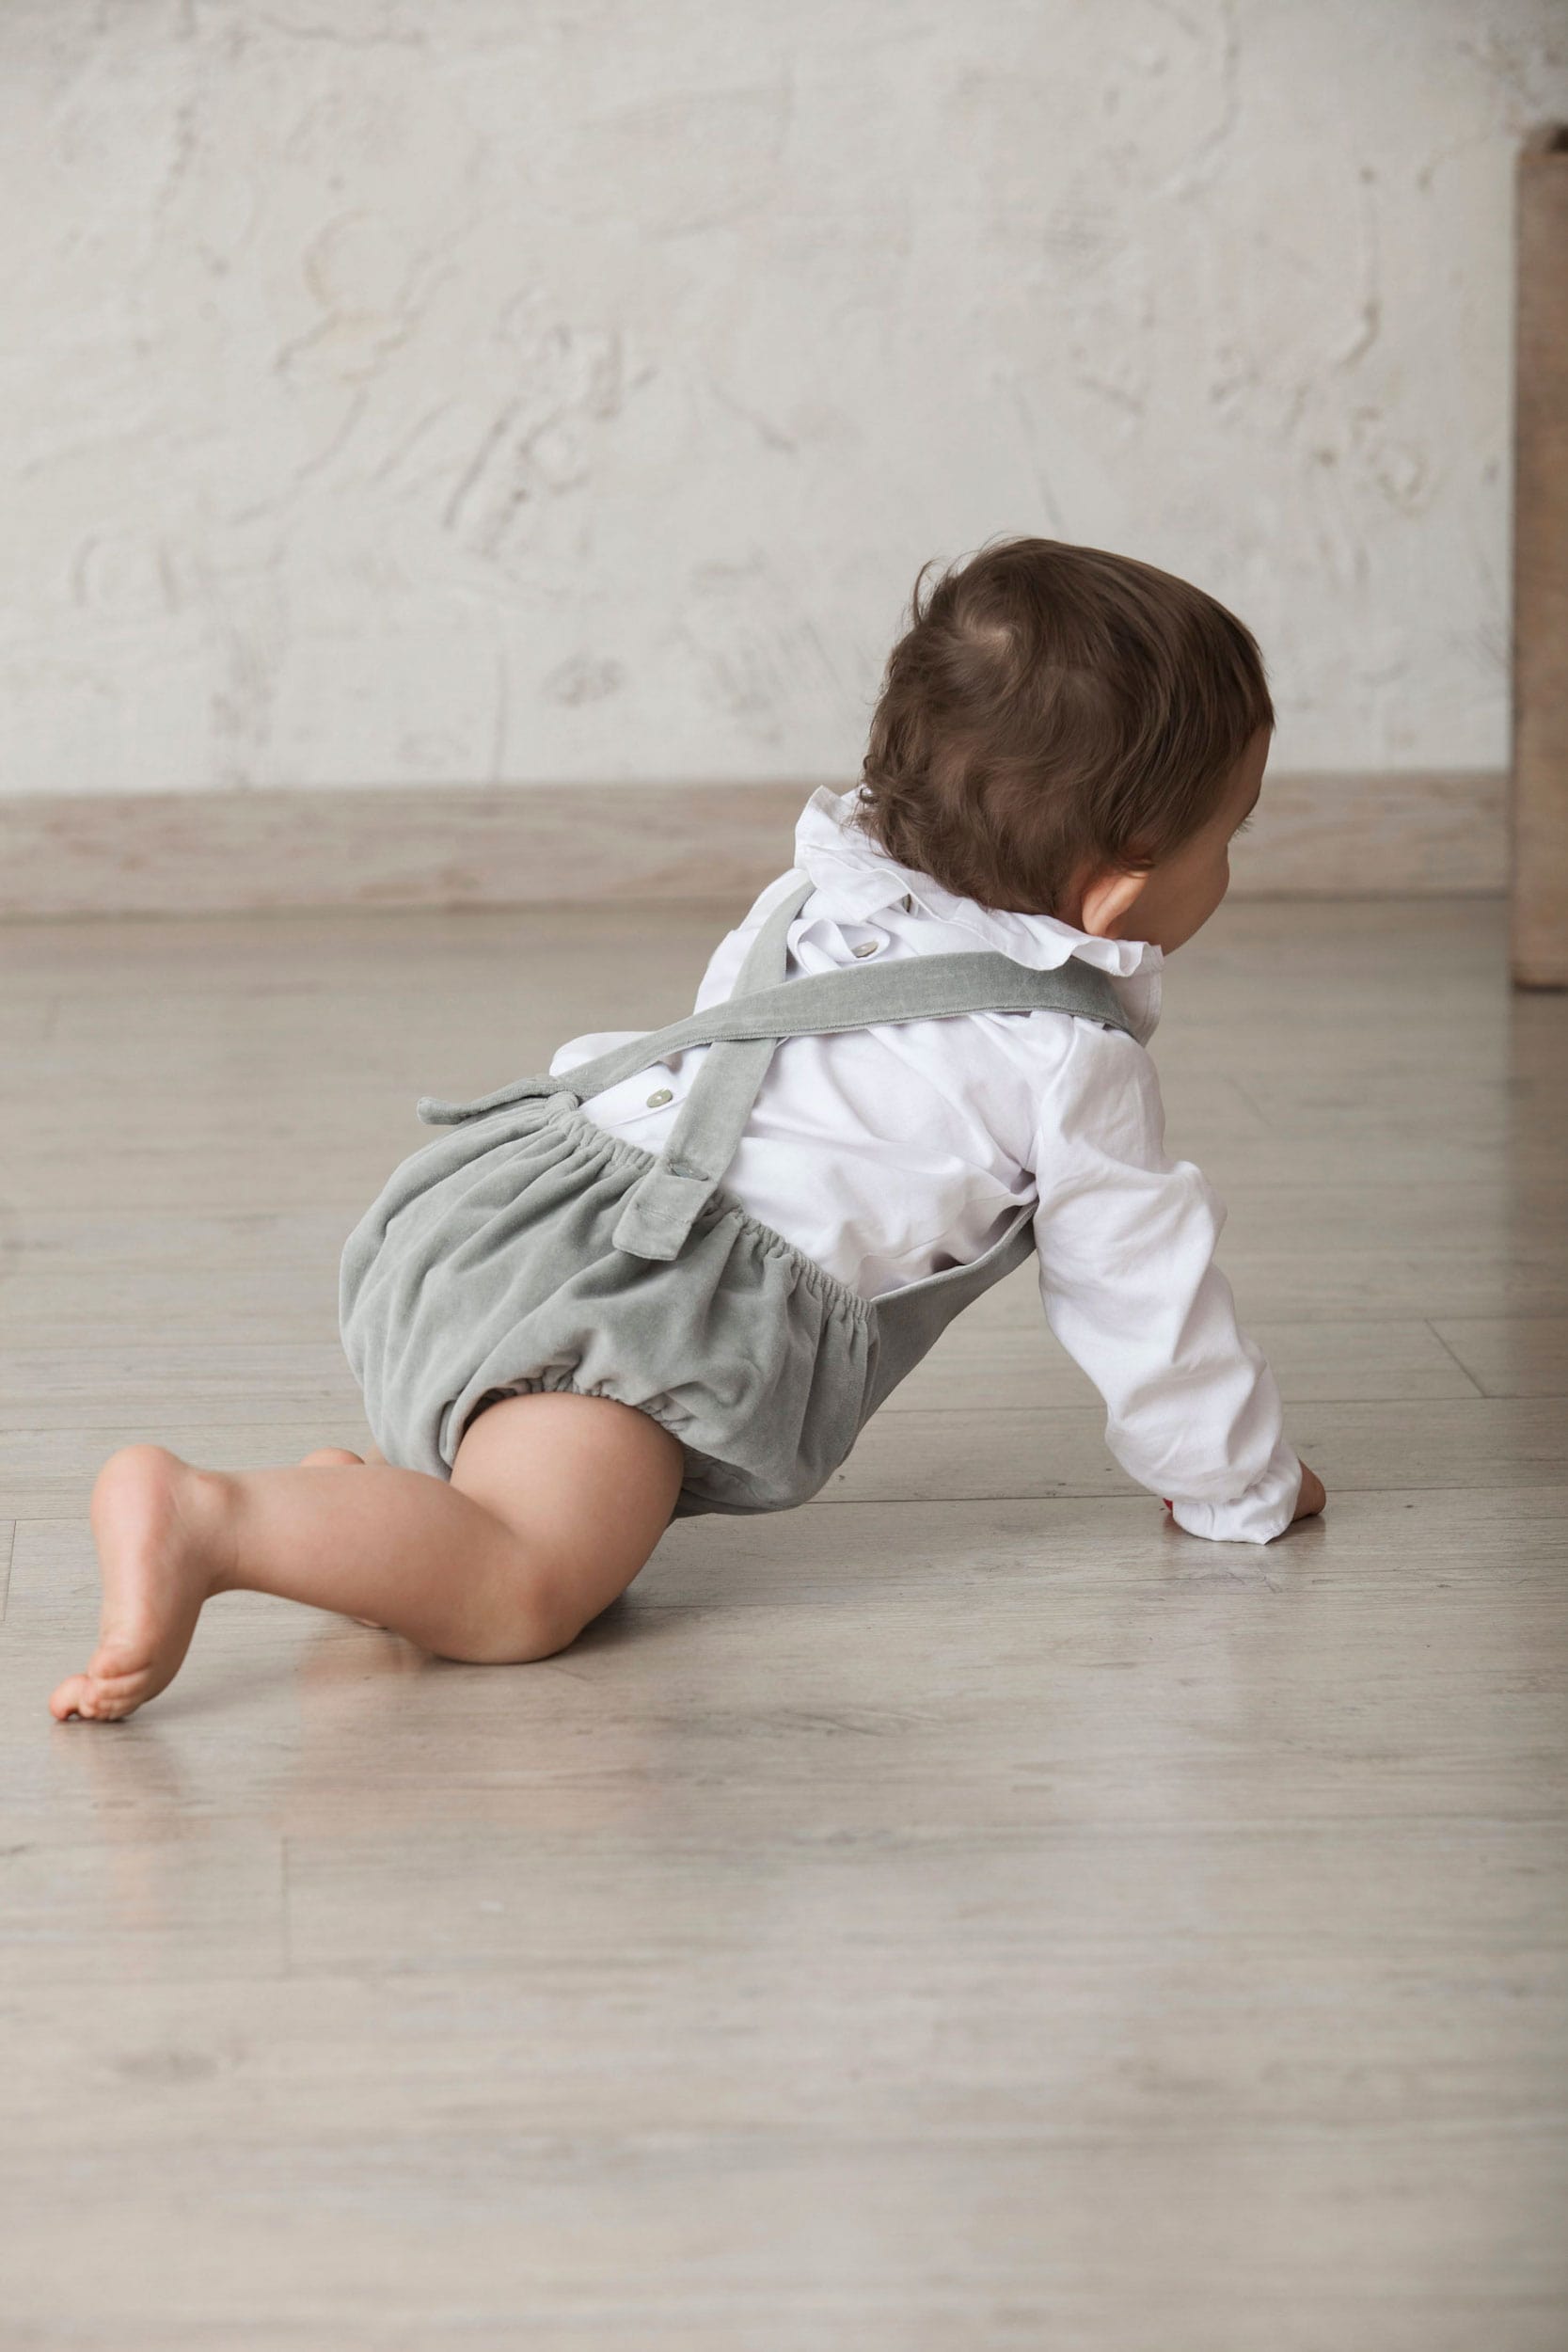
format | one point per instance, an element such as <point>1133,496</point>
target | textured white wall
<point>407,390</point>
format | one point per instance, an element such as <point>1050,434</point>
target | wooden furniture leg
<point>1540,792</point>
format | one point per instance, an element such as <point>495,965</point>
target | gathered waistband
<point>562,1110</point>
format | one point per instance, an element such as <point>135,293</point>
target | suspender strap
<point>743,1031</point>
<point>661,1206</point>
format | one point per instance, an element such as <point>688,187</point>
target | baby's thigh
<point>587,1485</point>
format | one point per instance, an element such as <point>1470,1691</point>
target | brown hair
<point>1053,709</point>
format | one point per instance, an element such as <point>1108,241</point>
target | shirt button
<point>658,1097</point>
<point>868,948</point>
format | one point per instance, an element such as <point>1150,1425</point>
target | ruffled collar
<point>858,880</point>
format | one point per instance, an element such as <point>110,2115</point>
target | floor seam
<point>1462,1366</point>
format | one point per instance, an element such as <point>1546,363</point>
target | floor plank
<point>44,1386</point>
<point>953,2037</point>
<point>1020,1365</point>
<point>463,2228</point>
<point>958,1450</point>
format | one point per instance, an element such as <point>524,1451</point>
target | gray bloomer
<point>530,1250</point>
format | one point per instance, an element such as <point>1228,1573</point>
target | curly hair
<point>1053,711</point>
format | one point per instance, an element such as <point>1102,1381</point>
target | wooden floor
<point>963,1914</point>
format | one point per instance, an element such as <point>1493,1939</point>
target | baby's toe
<point>71,1697</point>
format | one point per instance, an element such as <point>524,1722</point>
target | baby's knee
<point>530,1619</point>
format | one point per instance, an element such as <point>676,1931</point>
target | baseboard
<point>1377,833</point>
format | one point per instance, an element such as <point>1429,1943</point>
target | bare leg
<point>554,1503</point>
<point>339,1457</point>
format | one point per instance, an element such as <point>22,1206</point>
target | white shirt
<point>889,1152</point>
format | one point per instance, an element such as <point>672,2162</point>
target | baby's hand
<point>1311,1499</point>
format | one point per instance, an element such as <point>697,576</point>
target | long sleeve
<point>1126,1240</point>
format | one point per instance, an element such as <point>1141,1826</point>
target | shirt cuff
<point>1257,1517</point>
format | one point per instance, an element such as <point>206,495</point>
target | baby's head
<point>1065,732</point>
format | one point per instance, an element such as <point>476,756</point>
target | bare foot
<point>158,1525</point>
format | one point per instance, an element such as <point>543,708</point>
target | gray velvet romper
<point>528,1250</point>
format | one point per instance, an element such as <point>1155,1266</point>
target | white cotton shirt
<point>889,1152</point>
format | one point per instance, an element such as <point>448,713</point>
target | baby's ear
<point>1109,898</point>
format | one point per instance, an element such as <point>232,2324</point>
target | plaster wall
<point>400,392</point>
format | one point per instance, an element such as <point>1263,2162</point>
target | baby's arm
<point>1126,1240</point>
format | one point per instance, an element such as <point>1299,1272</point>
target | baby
<point>680,1270</point>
